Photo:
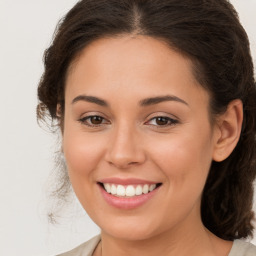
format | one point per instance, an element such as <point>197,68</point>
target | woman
<point>156,104</point>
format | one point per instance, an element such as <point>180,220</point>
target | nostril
<point>132,163</point>
<point>122,164</point>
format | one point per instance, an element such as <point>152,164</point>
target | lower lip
<point>127,203</point>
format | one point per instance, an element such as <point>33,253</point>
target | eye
<point>162,121</point>
<point>93,120</point>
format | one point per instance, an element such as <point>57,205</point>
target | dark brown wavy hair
<point>210,34</point>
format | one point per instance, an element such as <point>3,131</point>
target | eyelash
<point>84,120</point>
<point>170,121</point>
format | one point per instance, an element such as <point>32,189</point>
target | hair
<point>209,33</point>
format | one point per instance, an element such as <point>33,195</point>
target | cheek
<point>82,151</point>
<point>83,154</point>
<point>184,159</point>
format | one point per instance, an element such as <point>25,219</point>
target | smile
<point>127,195</point>
<point>128,190</point>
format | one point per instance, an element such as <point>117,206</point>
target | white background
<point>26,151</point>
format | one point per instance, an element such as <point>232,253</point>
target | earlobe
<point>228,129</point>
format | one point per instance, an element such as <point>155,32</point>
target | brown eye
<point>162,120</point>
<point>96,120</point>
<point>93,121</point>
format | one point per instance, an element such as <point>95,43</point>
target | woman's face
<point>135,121</point>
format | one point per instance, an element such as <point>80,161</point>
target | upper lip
<point>129,181</point>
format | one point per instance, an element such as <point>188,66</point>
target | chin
<point>131,230</point>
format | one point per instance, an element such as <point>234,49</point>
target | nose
<point>125,148</point>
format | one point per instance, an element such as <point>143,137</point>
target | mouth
<point>129,190</point>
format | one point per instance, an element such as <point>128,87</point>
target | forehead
<point>140,51</point>
<point>141,65</point>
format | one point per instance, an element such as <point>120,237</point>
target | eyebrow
<point>143,103</point>
<point>91,99</point>
<point>159,99</point>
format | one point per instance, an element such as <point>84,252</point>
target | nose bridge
<point>124,149</point>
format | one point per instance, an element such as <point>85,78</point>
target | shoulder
<point>85,249</point>
<point>242,248</point>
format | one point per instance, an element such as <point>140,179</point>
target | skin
<point>128,142</point>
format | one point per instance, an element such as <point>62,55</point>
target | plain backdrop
<point>26,151</point>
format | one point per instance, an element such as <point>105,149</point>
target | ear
<point>228,132</point>
<point>58,111</point>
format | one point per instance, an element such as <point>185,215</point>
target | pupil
<point>96,120</point>
<point>161,121</point>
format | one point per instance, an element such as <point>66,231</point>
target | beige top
<point>239,248</point>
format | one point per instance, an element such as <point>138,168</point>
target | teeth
<point>138,190</point>
<point>128,191</point>
<point>152,187</point>
<point>120,191</point>
<point>107,187</point>
<point>145,189</point>
<point>113,190</point>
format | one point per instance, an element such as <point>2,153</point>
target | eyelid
<point>85,117</point>
<point>172,120</point>
<point>92,113</point>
